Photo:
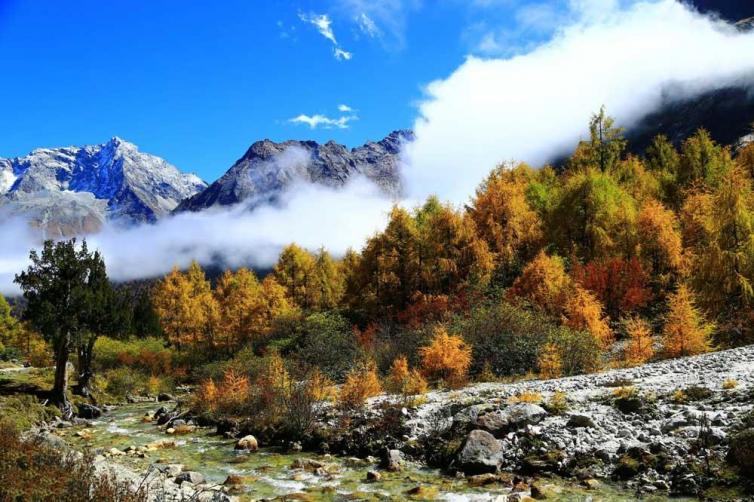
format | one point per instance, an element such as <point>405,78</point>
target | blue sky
<point>198,85</point>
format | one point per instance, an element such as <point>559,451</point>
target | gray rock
<point>481,453</point>
<point>393,460</point>
<point>512,417</point>
<point>580,421</point>
<point>89,411</point>
<point>192,477</point>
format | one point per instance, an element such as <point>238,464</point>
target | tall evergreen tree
<point>67,294</point>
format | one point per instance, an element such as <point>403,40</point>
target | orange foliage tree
<point>685,332</point>
<point>550,363</point>
<point>505,219</point>
<point>545,283</point>
<point>619,283</point>
<point>639,348</point>
<point>447,358</point>
<point>361,384</point>
<point>187,309</point>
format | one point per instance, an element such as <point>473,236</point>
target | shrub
<point>557,404</point>
<point>23,411</point>
<point>526,397</point>
<point>730,384</point>
<point>34,470</point>
<point>361,384</point>
<point>446,359</point>
<point>550,363</point>
<point>742,451</point>
<point>146,354</point>
<point>123,381</point>
<point>405,382</point>
<point>327,341</point>
<point>504,337</point>
<point>580,352</point>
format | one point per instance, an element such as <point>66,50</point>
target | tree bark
<point>85,360</point>
<point>59,396</point>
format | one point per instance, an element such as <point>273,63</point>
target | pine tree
<point>685,332</point>
<point>639,348</point>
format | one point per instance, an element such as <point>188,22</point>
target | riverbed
<point>270,473</point>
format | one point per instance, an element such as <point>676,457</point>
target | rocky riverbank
<point>672,428</point>
<point>659,428</point>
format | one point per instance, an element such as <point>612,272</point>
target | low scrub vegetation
<point>31,469</point>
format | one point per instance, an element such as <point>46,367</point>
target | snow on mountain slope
<point>74,190</point>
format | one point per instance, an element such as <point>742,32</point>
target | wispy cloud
<point>367,26</point>
<point>345,109</point>
<point>323,24</point>
<point>383,20</point>
<point>318,120</point>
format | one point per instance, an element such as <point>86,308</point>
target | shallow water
<point>269,473</point>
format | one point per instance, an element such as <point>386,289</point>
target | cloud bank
<point>311,215</point>
<point>535,106</point>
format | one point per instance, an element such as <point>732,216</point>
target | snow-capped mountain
<point>267,168</point>
<point>74,190</point>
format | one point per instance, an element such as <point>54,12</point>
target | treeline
<point>544,270</point>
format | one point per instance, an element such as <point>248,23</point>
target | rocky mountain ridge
<point>267,168</point>
<point>75,190</point>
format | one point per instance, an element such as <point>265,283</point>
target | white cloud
<point>385,20</point>
<point>367,26</point>
<point>323,23</point>
<point>340,54</point>
<point>535,106</point>
<point>345,109</point>
<point>311,215</point>
<point>315,121</point>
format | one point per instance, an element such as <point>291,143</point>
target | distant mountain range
<point>74,190</point>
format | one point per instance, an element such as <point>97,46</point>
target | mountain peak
<point>263,173</point>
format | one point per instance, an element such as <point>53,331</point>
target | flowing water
<point>269,473</point>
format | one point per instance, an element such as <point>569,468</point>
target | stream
<point>269,473</point>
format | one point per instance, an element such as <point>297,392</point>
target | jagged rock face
<point>72,190</point>
<point>267,168</point>
<point>727,113</point>
<point>731,10</point>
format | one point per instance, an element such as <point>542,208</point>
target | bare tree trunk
<point>59,396</point>
<point>86,373</point>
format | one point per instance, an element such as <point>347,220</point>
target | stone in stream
<point>89,411</point>
<point>481,453</point>
<point>247,443</point>
<point>164,396</point>
<point>373,476</point>
<point>393,460</point>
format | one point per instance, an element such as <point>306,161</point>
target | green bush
<point>24,411</point>
<point>148,354</point>
<point>326,341</point>
<point>120,382</point>
<point>580,352</point>
<point>504,337</point>
<point>742,451</point>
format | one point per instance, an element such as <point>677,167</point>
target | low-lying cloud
<point>535,106</point>
<point>309,214</point>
